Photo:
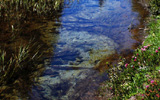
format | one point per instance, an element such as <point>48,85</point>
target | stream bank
<point>139,78</point>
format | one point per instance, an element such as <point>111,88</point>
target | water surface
<point>89,31</point>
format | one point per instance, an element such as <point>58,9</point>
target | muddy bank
<point>144,3</point>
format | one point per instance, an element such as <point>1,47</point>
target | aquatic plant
<point>19,69</point>
<point>18,63</point>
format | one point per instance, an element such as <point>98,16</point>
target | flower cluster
<point>136,73</point>
<point>152,91</point>
<point>143,57</point>
<point>144,48</point>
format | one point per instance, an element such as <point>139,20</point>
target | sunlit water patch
<point>90,31</point>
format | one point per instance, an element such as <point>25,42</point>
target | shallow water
<point>90,31</point>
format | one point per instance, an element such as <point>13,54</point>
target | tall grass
<point>19,69</point>
<point>21,8</point>
<point>18,64</point>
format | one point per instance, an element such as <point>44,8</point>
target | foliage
<point>18,70</point>
<point>18,63</point>
<point>155,6</point>
<point>22,8</point>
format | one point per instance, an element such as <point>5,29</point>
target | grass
<point>18,67</point>
<point>19,63</point>
<point>21,8</point>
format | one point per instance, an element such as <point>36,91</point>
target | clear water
<point>90,31</point>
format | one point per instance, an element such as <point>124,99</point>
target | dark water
<point>82,34</point>
<point>90,31</point>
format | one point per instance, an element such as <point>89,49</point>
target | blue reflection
<point>93,25</point>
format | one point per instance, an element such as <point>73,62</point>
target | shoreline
<point>138,70</point>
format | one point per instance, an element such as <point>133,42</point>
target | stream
<point>82,34</point>
<point>90,31</point>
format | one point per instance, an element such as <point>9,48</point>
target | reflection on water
<point>91,30</point>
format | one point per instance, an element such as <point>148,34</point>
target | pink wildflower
<point>156,51</point>
<point>135,59</point>
<point>152,81</point>
<point>145,47</point>
<point>147,86</point>
<point>110,88</point>
<point>142,94</point>
<point>126,65</point>
<point>137,54</point>
<point>159,48</point>
<point>158,95</point>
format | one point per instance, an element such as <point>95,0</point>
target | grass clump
<point>17,64</point>
<point>21,8</point>
<point>18,70</point>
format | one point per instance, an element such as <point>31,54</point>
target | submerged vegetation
<point>139,79</point>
